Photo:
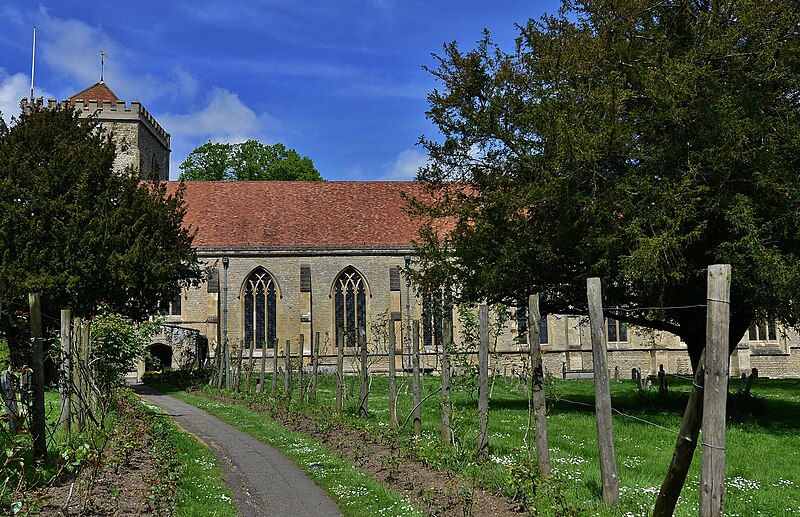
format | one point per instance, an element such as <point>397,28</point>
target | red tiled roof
<point>98,92</point>
<point>315,214</point>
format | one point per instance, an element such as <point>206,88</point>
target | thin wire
<point>669,308</point>
<point>622,414</point>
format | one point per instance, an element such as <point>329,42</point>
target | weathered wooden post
<point>363,392</point>
<point>249,373</point>
<point>37,360</point>
<point>65,417</point>
<point>77,366</point>
<point>288,363</point>
<point>238,374</point>
<point>602,394</point>
<point>339,372</point>
<point>447,334</point>
<point>263,368</point>
<point>537,399</point>
<point>415,375</point>
<point>274,367</point>
<point>712,478</point>
<point>684,447</point>
<point>392,377</point>
<point>315,344</point>
<point>300,390</point>
<point>483,383</point>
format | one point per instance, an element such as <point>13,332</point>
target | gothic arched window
<point>259,301</point>
<point>350,307</point>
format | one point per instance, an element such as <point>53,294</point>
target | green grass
<point>201,488</point>
<point>763,443</point>
<point>354,493</point>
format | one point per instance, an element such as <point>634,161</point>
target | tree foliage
<point>76,232</point>
<point>635,140</point>
<point>247,161</point>
<point>117,343</point>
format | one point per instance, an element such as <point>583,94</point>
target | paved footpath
<point>263,481</point>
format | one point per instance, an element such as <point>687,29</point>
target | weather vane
<point>103,55</point>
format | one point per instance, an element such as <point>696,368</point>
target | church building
<point>323,262</point>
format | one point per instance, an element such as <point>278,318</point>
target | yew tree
<point>77,232</point>
<point>634,140</point>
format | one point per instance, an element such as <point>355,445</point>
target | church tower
<point>141,141</point>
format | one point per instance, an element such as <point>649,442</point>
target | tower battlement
<point>141,141</point>
<point>110,111</point>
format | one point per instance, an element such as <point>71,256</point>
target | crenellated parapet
<point>107,111</point>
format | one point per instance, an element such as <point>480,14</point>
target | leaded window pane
<point>248,317</point>
<point>260,298</point>
<point>350,308</point>
<point>339,302</point>
<point>272,335</point>
<point>543,330</point>
<point>261,316</point>
<point>612,329</point>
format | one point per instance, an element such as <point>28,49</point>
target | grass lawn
<point>201,488</point>
<point>763,443</point>
<point>354,493</point>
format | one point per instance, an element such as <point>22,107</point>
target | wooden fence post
<point>447,334</point>
<point>300,391</point>
<point>315,343</point>
<point>363,393</point>
<point>684,447</point>
<point>263,368</point>
<point>483,383</point>
<point>65,371</point>
<point>392,377</point>
<point>37,360</point>
<point>712,479</point>
<point>602,394</point>
<point>275,367</point>
<point>339,373</point>
<point>537,387</point>
<point>288,363</point>
<point>415,376</point>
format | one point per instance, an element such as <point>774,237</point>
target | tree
<point>76,232</point>
<point>247,161</point>
<point>636,140</point>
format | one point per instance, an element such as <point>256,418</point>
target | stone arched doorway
<point>160,357</point>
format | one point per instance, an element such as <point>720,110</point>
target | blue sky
<point>340,81</point>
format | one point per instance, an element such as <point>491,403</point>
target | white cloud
<point>13,88</point>
<point>223,118</point>
<point>405,165</point>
